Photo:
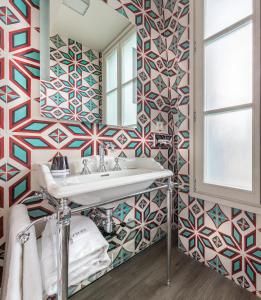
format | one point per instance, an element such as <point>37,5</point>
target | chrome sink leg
<point>63,231</point>
<point>169,230</point>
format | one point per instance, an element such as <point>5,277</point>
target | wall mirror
<point>88,63</point>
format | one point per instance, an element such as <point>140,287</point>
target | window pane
<point>228,69</point>
<point>111,108</point>
<point>129,58</point>
<point>220,14</point>
<point>111,71</point>
<point>228,151</point>
<point>129,103</point>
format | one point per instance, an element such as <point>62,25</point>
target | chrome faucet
<point>102,167</point>
<point>102,148</point>
<point>117,166</point>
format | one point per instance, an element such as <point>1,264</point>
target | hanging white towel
<point>22,274</point>
<point>87,252</point>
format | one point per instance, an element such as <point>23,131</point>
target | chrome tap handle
<point>117,166</point>
<point>111,146</point>
<point>85,169</point>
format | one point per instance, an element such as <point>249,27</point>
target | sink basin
<point>136,175</point>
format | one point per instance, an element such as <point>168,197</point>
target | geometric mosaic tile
<point>216,264</point>
<point>160,83</point>
<point>243,224</point>
<point>159,198</point>
<point>34,126</point>
<point>58,136</point>
<point>7,16</point>
<point>38,212</point>
<point>19,189</point>
<point>121,211</point>
<point>58,42</point>
<point>7,172</point>
<point>23,8</point>
<point>31,54</point>
<point>58,70</point>
<point>7,94</point>
<point>217,216</point>
<point>216,240</point>
<point>19,114</point>
<point>19,153</point>
<point>90,55</point>
<point>19,39</point>
<point>19,78</point>
<point>58,99</point>
<point>32,70</point>
<point>35,142</point>
<point>122,257</point>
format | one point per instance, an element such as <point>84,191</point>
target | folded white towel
<point>87,252</point>
<point>22,275</point>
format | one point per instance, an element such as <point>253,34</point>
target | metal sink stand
<point>63,216</point>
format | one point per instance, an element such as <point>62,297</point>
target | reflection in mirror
<point>120,76</point>
<point>89,68</point>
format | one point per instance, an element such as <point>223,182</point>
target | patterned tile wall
<point>27,138</point>
<point>74,92</point>
<point>225,239</point>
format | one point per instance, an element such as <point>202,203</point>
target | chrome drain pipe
<point>108,224</point>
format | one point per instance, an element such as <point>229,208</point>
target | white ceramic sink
<point>136,175</point>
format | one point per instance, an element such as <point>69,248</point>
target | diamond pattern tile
<point>225,239</point>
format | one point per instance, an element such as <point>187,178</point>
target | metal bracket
<point>23,237</point>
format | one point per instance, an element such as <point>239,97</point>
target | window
<point>226,101</point>
<point>120,80</point>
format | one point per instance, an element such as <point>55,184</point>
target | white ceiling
<point>96,29</point>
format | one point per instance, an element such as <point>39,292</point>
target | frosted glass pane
<point>111,109</point>
<point>129,59</point>
<point>228,69</point>
<point>228,151</point>
<point>220,14</point>
<point>111,71</point>
<point>129,114</point>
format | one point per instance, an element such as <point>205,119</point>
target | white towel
<point>22,274</point>
<point>87,252</point>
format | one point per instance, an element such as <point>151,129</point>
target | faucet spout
<point>102,167</point>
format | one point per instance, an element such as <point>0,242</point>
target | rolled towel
<point>22,275</point>
<point>87,252</point>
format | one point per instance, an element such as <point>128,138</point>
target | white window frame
<point>117,45</point>
<point>233,197</point>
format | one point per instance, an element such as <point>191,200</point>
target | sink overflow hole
<point>103,175</point>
